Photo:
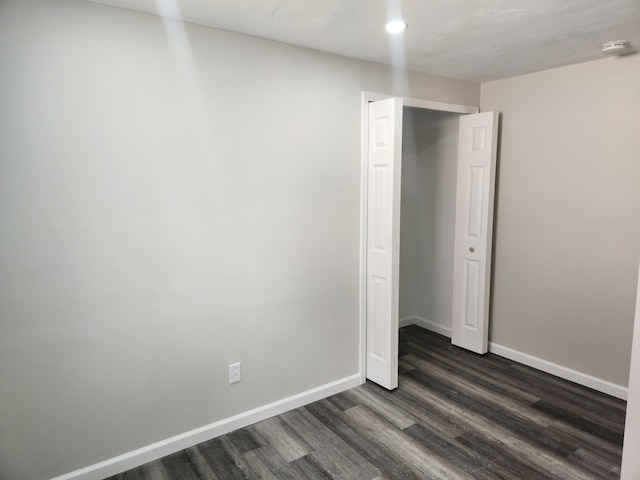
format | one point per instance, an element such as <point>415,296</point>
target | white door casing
<point>473,230</point>
<point>384,163</point>
<point>631,445</point>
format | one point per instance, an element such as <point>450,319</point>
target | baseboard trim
<point>560,371</point>
<point>171,445</point>
<point>580,378</point>
<point>424,323</point>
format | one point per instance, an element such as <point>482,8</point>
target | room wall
<point>568,214</point>
<point>430,157</point>
<point>173,199</point>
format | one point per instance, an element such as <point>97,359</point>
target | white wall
<point>410,188</point>
<point>568,214</point>
<point>430,158</point>
<point>172,199</point>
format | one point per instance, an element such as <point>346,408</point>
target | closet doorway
<point>426,237</point>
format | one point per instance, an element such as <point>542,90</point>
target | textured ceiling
<point>471,39</point>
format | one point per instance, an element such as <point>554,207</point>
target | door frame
<point>367,97</point>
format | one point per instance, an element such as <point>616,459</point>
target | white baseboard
<point>171,445</point>
<point>531,361</point>
<point>560,371</point>
<point>424,323</point>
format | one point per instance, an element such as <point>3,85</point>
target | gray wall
<point>171,200</point>
<point>429,163</point>
<point>567,238</point>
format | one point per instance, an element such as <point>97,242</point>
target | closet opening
<point>427,217</point>
<point>426,226</point>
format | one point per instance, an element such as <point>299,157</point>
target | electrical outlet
<point>234,373</point>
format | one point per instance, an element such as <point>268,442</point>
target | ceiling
<point>476,40</point>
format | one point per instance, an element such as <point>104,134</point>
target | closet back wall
<point>429,165</point>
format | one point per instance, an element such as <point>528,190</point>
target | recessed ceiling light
<point>395,26</point>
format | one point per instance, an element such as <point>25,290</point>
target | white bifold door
<point>474,228</point>
<point>472,249</point>
<point>384,163</point>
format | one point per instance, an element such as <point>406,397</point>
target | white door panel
<point>473,230</point>
<point>631,445</point>
<point>383,237</point>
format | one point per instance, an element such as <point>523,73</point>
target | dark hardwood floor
<point>455,415</point>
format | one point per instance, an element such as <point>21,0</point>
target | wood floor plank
<point>309,468</point>
<point>457,454</point>
<point>404,366</point>
<point>575,419</point>
<point>201,464</point>
<point>455,415</point>
<point>413,454</point>
<point>266,462</point>
<point>376,454</point>
<point>396,416</point>
<point>491,412</point>
<point>526,446</point>
<point>440,422</point>
<point>587,441</point>
<point>521,376</point>
<point>518,466</point>
<point>561,388</point>
<point>342,400</point>
<point>275,433</point>
<point>180,466</point>
<point>483,393</point>
<point>478,373</point>
<point>244,440</point>
<point>591,462</point>
<point>334,454</point>
<point>222,459</point>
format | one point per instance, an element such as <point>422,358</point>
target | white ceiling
<point>471,39</point>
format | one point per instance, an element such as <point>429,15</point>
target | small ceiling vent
<point>616,47</point>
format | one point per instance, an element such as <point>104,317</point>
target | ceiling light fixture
<point>395,26</point>
<point>616,47</point>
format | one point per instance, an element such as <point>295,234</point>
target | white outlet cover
<point>234,373</point>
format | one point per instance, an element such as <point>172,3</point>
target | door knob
<point>471,249</point>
